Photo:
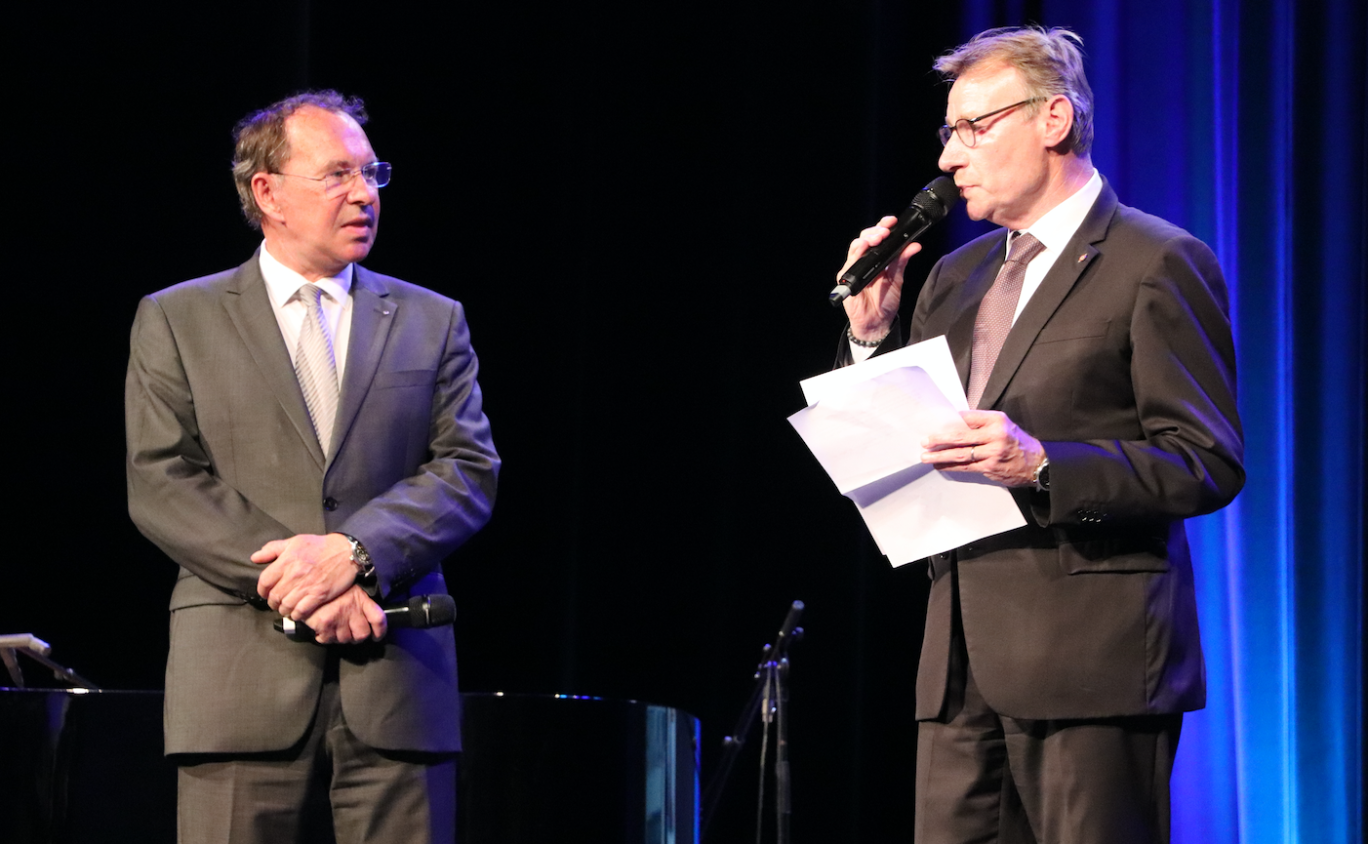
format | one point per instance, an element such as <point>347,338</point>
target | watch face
<point>1042,475</point>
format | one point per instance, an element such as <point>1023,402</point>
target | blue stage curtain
<point>1245,124</point>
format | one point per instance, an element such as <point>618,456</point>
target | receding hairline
<point>986,66</point>
<point>292,121</point>
<point>990,67</point>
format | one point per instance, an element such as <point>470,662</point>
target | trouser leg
<point>1103,780</point>
<point>966,793</point>
<point>385,796</point>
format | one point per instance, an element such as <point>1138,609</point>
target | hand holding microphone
<point>419,612</point>
<point>928,207</point>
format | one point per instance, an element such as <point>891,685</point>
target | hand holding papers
<point>865,423</point>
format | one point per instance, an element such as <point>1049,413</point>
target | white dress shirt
<point>1054,230</point>
<point>281,285</point>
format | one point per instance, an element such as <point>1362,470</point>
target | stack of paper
<point>865,424</point>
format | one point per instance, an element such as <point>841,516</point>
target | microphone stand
<point>769,699</point>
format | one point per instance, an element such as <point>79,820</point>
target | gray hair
<point>261,145</point>
<point>1050,62</point>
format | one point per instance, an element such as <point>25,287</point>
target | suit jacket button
<point>330,504</point>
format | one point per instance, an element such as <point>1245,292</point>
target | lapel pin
<point>1083,257</point>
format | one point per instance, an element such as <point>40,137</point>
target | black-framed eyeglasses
<point>964,127</point>
<point>376,174</point>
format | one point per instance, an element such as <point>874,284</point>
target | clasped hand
<point>312,579</point>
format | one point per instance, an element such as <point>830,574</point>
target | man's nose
<point>953,156</point>
<point>362,192</point>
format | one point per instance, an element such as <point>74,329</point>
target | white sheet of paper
<point>864,424</point>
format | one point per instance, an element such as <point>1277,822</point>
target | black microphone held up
<point>420,613</point>
<point>928,207</point>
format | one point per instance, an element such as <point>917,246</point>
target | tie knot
<point>1024,248</point>
<point>310,294</point>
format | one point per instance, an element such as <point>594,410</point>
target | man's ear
<point>264,186</point>
<point>1059,116</point>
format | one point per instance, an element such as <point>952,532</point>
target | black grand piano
<point>80,766</point>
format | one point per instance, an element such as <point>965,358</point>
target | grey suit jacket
<point>1123,365</point>
<point>222,458</point>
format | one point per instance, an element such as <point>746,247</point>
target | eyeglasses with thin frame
<point>376,174</point>
<point>964,127</point>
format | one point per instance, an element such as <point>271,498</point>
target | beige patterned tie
<point>995,313</point>
<point>315,365</point>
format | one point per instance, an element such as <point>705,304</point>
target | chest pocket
<point>1059,331</point>
<point>405,378</point>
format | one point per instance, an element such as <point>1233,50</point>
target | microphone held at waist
<point>928,207</point>
<point>419,613</point>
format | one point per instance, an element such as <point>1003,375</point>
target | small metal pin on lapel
<point>1083,257</point>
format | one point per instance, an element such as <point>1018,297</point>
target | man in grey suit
<point>1096,349</point>
<point>306,439</point>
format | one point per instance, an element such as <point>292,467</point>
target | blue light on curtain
<point>1245,125</point>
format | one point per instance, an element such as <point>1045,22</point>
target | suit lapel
<point>373,313</point>
<point>249,307</point>
<point>1072,262</point>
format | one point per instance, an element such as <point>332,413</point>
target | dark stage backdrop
<point>642,208</point>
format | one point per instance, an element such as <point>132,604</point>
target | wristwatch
<point>361,558</point>
<point>1041,478</point>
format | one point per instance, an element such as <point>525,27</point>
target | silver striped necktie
<point>316,367</point>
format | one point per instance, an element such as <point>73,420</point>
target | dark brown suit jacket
<point>1123,365</point>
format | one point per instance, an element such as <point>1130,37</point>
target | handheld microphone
<point>420,613</point>
<point>928,207</point>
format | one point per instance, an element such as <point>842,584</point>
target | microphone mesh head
<point>936,199</point>
<point>443,609</point>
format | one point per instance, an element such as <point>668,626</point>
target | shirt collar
<point>1059,224</point>
<point>282,282</point>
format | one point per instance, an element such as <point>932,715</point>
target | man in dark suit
<point>1097,354</point>
<point>306,439</point>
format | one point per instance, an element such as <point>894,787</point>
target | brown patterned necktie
<point>995,313</point>
<point>316,367</point>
